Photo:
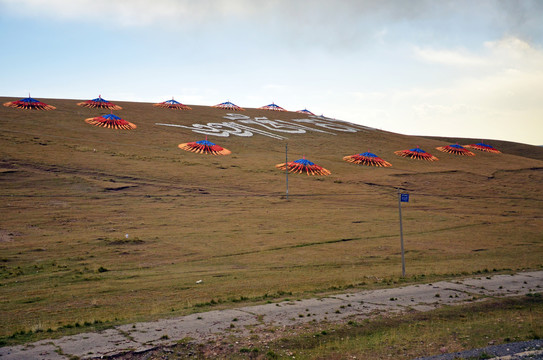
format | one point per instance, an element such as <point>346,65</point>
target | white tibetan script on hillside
<point>243,125</point>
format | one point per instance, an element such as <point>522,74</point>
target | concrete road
<point>205,326</point>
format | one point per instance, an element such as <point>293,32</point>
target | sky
<point>458,68</point>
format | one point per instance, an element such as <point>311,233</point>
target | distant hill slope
<point>514,148</point>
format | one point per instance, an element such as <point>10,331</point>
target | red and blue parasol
<point>204,147</point>
<point>305,111</point>
<point>455,149</point>
<point>272,107</point>
<point>110,121</point>
<point>99,103</point>
<point>173,104</point>
<point>483,147</point>
<point>303,166</point>
<point>368,159</point>
<point>29,104</point>
<point>227,105</point>
<point>416,153</point>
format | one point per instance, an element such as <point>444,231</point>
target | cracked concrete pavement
<point>204,326</point>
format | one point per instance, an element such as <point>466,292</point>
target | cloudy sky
<point>419,67</point>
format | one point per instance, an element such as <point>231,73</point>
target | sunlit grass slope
<point>70,192</point>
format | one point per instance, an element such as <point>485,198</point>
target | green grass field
<point>71,191</point>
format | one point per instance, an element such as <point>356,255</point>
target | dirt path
<point>205,326</point>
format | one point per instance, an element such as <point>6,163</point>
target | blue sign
<point>404,197</point>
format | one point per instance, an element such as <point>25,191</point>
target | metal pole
<point>401,232</point>
<point>286,163</point>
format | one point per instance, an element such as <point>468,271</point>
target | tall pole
<point>286,163</point>
<point>401,231</point>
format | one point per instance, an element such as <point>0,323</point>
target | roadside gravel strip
<point>205,326</point>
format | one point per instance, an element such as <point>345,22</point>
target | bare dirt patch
<point>8,236</point>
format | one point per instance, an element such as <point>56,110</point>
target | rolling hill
<point>110,225</point>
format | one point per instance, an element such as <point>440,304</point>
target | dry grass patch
<point>449,330</point>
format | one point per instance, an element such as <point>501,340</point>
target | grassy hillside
<point>70,192</point>
<point>534,152</point>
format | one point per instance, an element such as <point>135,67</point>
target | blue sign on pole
<point>404,197</point>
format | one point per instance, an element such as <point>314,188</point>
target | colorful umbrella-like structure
<point>305,111</point>
<point>110,121</point>
<point>416,153</point>
<point>229,106</point>
<point>204,147</point>
<point>455,149</point>
<point>368,159</point>
<point>483,147</point>
<point>99,103</point>
<point>303,166</point>
<point>272,107</point>
<point>29,104</point>
<point>172,104</point>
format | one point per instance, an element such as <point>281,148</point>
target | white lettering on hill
<point>238,126</point>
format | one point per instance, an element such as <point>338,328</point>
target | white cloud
<point>510,44</point>
<point>342,24</point>
<point>380,35</point>
<point>501,100</point>
<point>449,57</point>
<point>370,96</point>
<point>274,87</point>
<point>131,12</point>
